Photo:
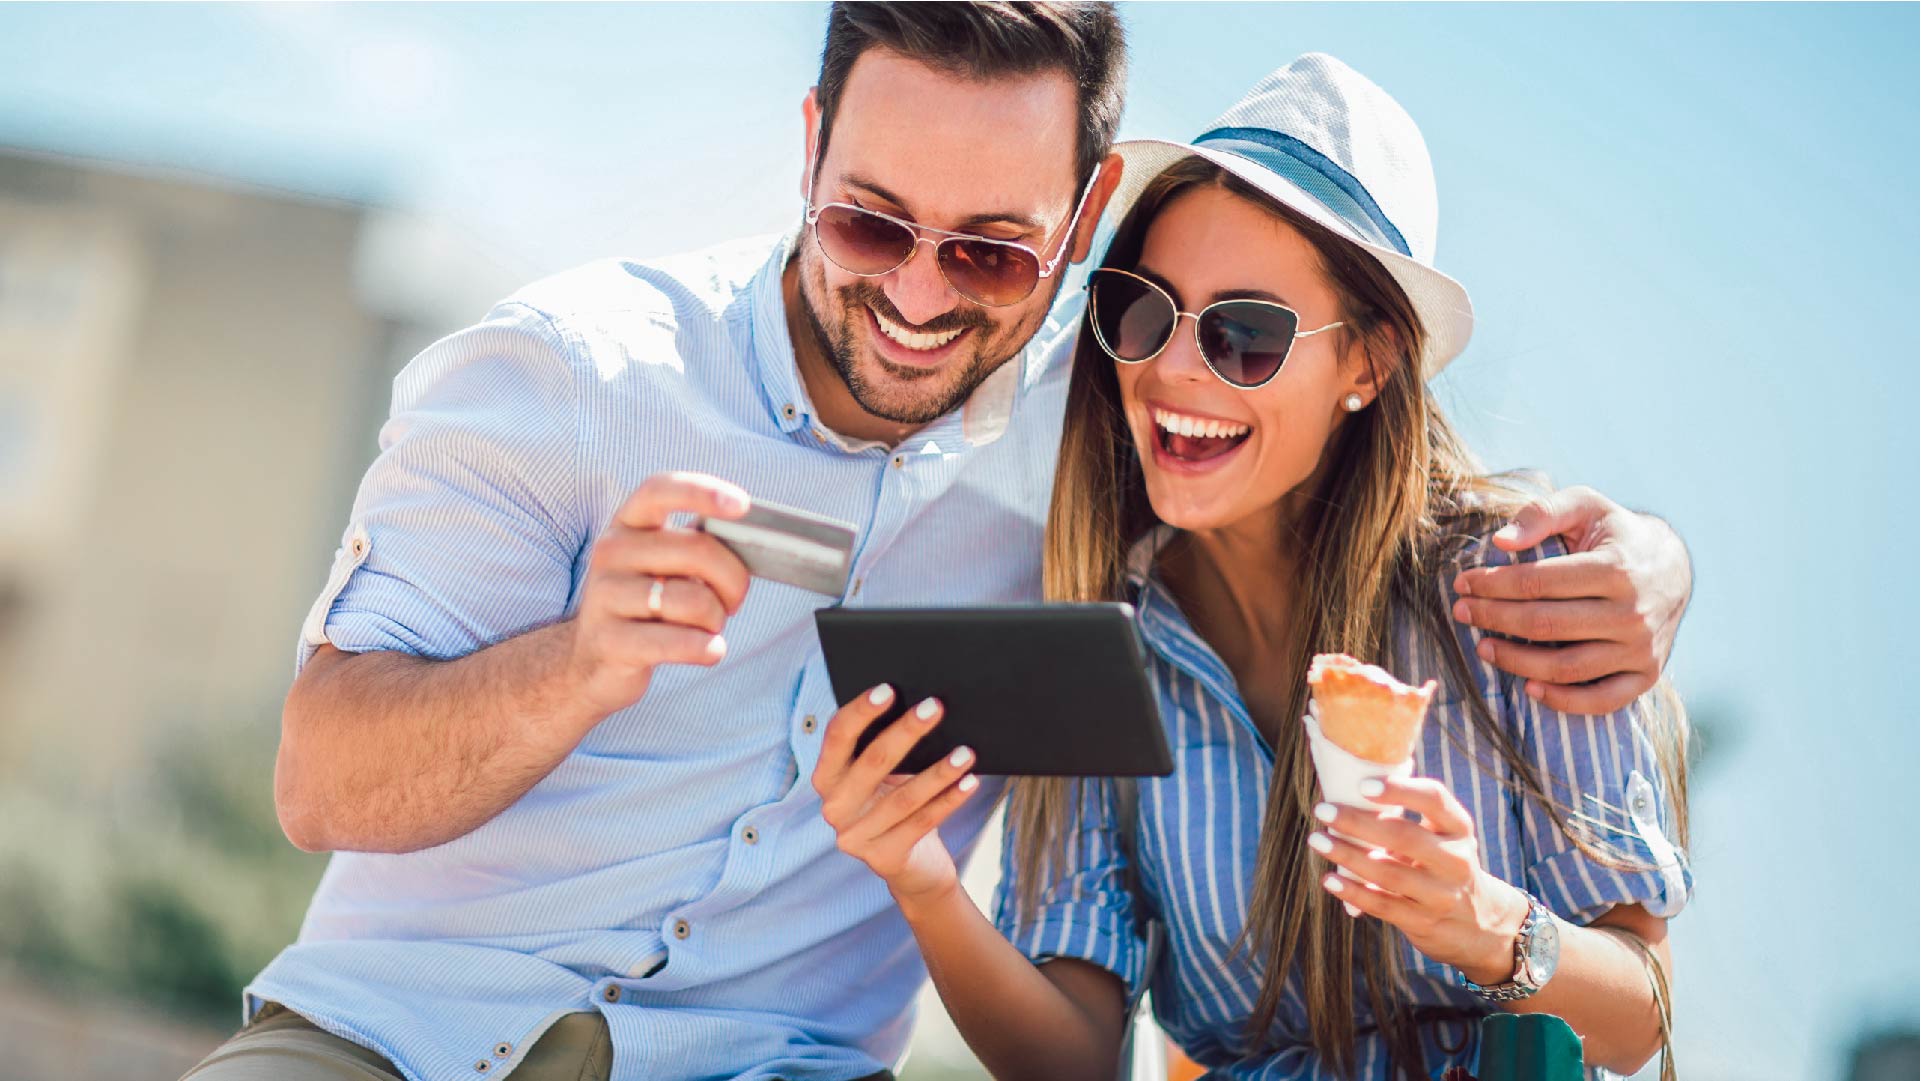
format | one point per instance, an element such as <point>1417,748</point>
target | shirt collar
<point>1140,559</point>
<point>773,349</point>
<point>985,416</point>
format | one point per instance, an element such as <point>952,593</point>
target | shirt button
<point>611,994</point>
<point>857,583</point>
<point>483,1066</point>
<point>503,1049</point>
<point>750,835</point>
<point>808,724</point>
<point>899,460</point>
<point>788,411</point>
<point>682,929</point>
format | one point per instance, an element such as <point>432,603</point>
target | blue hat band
<point>1314,173</point>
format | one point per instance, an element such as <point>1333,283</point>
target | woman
<point>1272,482</point>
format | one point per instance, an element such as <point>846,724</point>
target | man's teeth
<point>1200,427</point>
<point>913,339</point>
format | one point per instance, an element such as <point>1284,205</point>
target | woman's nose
<point>1182,359</point>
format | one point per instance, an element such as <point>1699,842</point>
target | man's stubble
<point>838,345</point>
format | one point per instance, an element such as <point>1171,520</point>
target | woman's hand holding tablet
<point>885,819</point>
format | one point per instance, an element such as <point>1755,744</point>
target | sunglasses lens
<point>1246,341</point>
<point>989,273</point>
<point>862,243</point>
<point>1132,318</point>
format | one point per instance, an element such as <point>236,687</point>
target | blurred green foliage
<point>173,888</point>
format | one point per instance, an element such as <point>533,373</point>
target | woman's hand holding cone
<point>1423,877</point>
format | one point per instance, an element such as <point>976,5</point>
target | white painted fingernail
<point>960,757</point>
<point>969,783</point>
<point>1351,910</point>
<point>1326,812</point>
<point>1333,884</point>
<point>1371,787</point>
<point>1320,842</point>
<point>881,695</point>
<point>717,647</point>
<point>926,710</point>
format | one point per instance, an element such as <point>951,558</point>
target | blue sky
<point>1690,233</point>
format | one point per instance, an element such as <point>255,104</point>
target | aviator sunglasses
<point>995,273</point>
<point>1244,342</point>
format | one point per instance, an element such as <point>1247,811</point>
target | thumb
<point>1568,512</point>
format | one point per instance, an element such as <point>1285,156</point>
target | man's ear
<point>1108,178</point>
<point>810,113</point>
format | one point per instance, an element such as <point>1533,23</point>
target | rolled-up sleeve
<point>1084,909</point>
<point>465,529</point>
<point>1605,777</point>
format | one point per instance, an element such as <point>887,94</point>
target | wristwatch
<point>1537,949</point>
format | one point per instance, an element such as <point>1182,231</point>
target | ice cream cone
<point>1365,711</point>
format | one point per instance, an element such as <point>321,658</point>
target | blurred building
<point>191,379</point>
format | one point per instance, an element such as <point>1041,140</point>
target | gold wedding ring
<point>654,594</point>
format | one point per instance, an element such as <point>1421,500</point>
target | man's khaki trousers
<point>281,1045</point>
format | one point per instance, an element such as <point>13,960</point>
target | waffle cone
<point>1365,711</point>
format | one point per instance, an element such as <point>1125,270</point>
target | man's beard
<point>840,348</point>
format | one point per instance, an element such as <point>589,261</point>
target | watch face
<point>1543,950</point>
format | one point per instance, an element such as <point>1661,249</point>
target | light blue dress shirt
<point>674,872</point>
<point>1196,837</point>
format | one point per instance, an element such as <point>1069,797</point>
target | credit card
<point>782,544</point>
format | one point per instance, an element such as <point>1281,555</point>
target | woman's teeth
<point>913,339</point>
<point>1199,427</point>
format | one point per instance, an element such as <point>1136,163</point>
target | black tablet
<point>1039,690</point>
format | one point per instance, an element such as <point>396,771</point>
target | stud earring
<point>1353,403</point>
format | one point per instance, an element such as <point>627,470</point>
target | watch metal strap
<point>1514,990</point>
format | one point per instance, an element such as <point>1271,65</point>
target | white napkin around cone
<point>1341,772</point>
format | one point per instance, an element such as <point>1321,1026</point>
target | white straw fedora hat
<point>1318,137</point>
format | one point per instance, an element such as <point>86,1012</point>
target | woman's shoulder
<point>1430,642</point>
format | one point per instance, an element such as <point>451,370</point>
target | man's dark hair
<point>983,40</point>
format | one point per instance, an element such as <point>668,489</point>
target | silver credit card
<point>782,544</point>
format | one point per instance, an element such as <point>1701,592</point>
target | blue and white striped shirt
<point>1196,837</point>
<point>674,872</point>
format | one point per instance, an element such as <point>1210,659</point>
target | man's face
<point>992,158</point>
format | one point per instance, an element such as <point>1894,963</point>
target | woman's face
<point>1206,245</point>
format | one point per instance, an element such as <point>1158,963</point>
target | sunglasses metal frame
<point>1046,267</point>
<point>1174,327</point>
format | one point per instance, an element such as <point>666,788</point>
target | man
<point>558,743</point>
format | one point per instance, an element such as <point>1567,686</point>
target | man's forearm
<point>386,752</point>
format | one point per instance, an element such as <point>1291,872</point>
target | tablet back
<point>1057,689</point>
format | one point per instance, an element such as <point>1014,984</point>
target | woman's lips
<point>1193,455</point>
<point>1187,441</point>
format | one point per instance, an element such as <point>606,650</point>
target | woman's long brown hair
<point>1401,502</point>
